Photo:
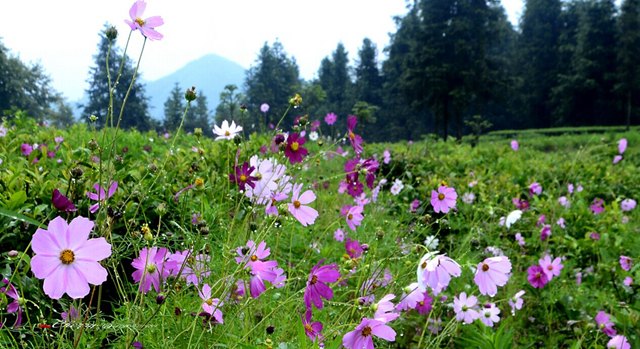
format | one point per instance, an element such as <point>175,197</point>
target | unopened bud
<point>93,144</point>
<point>12,254</point>
<point>190,95</point>
<point>148,236</point>
<point>365,247</point>
<point>243,107</point>
<point>161,209</point>
<point>279,139</point>
<point>93,118</point>
<point>160,298</point>
<point>153,167</point>
<point>237,139</point>
<point>197,132</point>
<point>204,231</point>
<point>77,172</point>
<point>111,33</point>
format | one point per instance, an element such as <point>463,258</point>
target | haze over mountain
<point>209,74</point>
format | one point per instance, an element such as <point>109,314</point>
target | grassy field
<point>174,191</point>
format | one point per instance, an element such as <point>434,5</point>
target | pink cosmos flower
<point>311,329</point>
<point>628,204</point>
<point>339,235</point>
<point>26,149</point>
<point>147,26</point>
<point>304,214</point>
<point>152,269</point>
<point>535,188</point>
<point>537,278</point>
<point>356,140</point>
<point>101,195</point>
<point>619,342</point>
<point>264,107</point>
<point>545,232</point>
<point>625,263</point>
<point>191,268</point>
<point>564,202</point>
<point>436,272</point>
<point>463,307</point>
<point>516,302</point>
<point>468,198</point>
<point>317,284</point>
<point>384,309</point>
<point>67,259</point>
<point>627,281</point>
<point>414,205</point>
<point>387,156</point>
<point>210,305</point>
<point>353,215</point>
<point>550,268</point>
<point>595,236</point>
<point>514,145</point>
<point>411,297</point>
<point>622,145</point>
<point>270,207</point>
<point>262,271</point>
<point>602,320</point>
<point>597,208</point>
<point>617,159</point>
<point>314,126</point>
<point>492,273</point>
<point>13,307</point>
<point>570,188</point>
<point>362,336</point>
<point>520,239</point>
<point>444,199</point>
<point>353,248</point>
<point>71,315</point>
<point>330,119</point>
<point>252,253</point>
<point>561,222</point>
<point>294,151</point>
<point>489,314</point>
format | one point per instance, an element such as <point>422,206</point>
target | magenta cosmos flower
<point>152,269</point>
<point>597,208</point>
<point>436,272</point>
<point>463,307</point>
<point>192,268</point>
<point>210,305</point>
<point>294,150</point>
<point>619,342</point>
<point>362,336</point>
<point>304,214</point>
<point>61,202</point>
<point>444,199</point>
<point>146,26</point>
<point>625,263</point>
<point>550,268</point>
<point>330,119</point>
<point>535,188</point>
<point>425,305</point>
<point>545,232</point>
<point>262,271</point>
<point>353,248</point>
<point>604,325</point>
<point>622,145</point>
<point>13,307</point>
<point>492,272</point>
<point>67,259</point>
<point>252,253</point>
<point>311,329</point>
<point>26,149</point>
<point>316,284</point>
<point>356,140</point>
<point>243,177</point>
<point>353,215</point>
<point>537,278</point>
<point>100,195</point>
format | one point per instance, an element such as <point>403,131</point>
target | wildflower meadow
<point>305,235</point>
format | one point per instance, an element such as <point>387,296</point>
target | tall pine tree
<point>174,109</point>
<point>628,56</point>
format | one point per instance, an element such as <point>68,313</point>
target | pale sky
<point>62,35</point>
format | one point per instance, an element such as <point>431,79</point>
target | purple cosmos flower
<point>311,329</point>
<point>578,278</point>
<point>622,145</point>
<point>152,269</point>
<point>424,306</point>
<point>330,119</point>
<point>317,284</point>
<point>14,306</point>
<point>619,342</point>
<point>411,296</point>
<point>627,281</point>
<point>338,235</point>
<point>314,126</point>
<point>384,309</point>
<point>564,202</point>
<point>444,199</point>
<point>489,314</point>
<point>362,336</point>
<point>251,253</point>
<point>193,267</point>
<point>71,315</point>
<point>294,151</point>
<point>617,159</point>
<point>597,208</point>
<point>628,204</point>
<point>101,195</point>
<point>354,189</point>
<point>468,198</point>
<point>520,204</point>
<point>625,263</point>
<point>61,202</point>
<point>353,215</point>
<point>67,259</point>
<point>550,268</point>
<point>264,107</point>
<point>561,222</point>
<point>261,271</point>
<point>520,239</point>
<point>387,156</point>
<point>58,139</point>
<point>595,236</point>
<point>414,205</point>
<point>356,140</point>
<point>353,248</point>
<point>570,188</point>
<point>26,149</point>
<point>298,209</point>
<point>492,272</point>
<point>211,305</point>
<point>516,302</point>
<point>370,167</point>
<point>537,278</point>
<point>436,272</point>
<point>243,177</point>
<point>463,307</point>
<point>545,232</point>
<point>146,26</point>
<point>535,188</point>
<point>514,145</point>
<point>602,320</point>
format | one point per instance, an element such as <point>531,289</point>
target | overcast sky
<point>62,35</point>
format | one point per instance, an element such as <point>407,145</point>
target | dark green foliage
<point>135,113</point>
<point>628,53</point>
<point>174,109</point>
<point>335,79</point>
<point>229,106</point>
<point>198,115</point>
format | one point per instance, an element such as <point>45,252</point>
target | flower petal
<point>93,250</point>
<point>78,232</point>
<point>91,271</point>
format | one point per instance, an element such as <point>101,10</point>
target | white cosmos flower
<point>431,242</point>
<point>512,218</point>
<point>226,131</point>
<point>313,136</point>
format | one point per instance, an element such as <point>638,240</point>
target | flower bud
<point>111,33</point>
<point>93,118</point>
<point>76,172</point>
<point>237,139</point>
<point>320,143</point>
<point>243,107</point>
<point>295,101</point>
<point>161,209</point>
<point>190,95</point>
<point>118,159</point>
<point>153,167</point>
<point>379,234</point>
<point>365,247</point>
<point>148,236</point>
<point>204,231</point>
<point>93,144</point>
<point>279,139</point>
<point>270,329</point>
<point>198,132</point>
<point>13,254</point>
<point>160,298</point>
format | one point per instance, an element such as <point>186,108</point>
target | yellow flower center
<point>295,146</point>
<point>226,133</point>
<point>296,204</point>
<point>538,275</point>
<point>308,328</point>
<point>243,178</point>
<point>254,258</point>
<point>421,302</point>
<point>350,216</point>
<point>199,182</point>
<point>485,267</point>
<point>139,21</point>
<point>209,302</point>
<point>352,135</point>
<point>424,265</point>
<point>550,267</point>
<point>67,256</point>
<point>440,196</point>
<point>366,332</point>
